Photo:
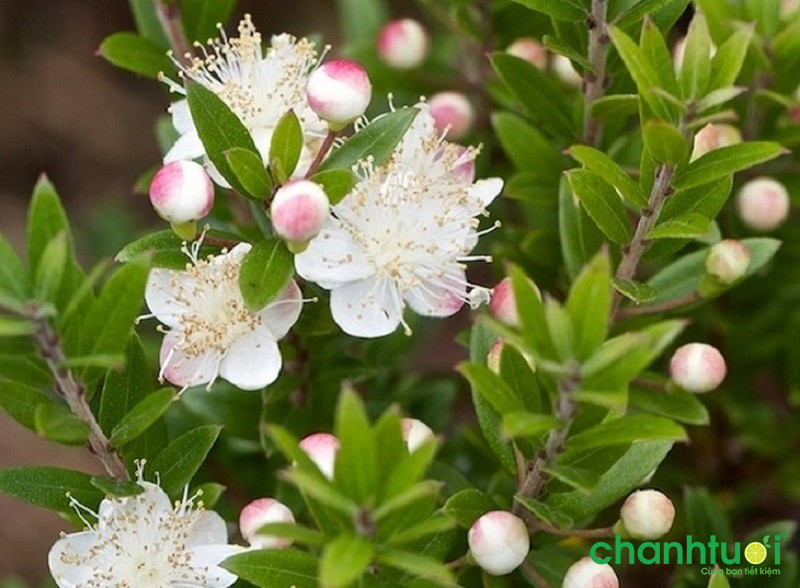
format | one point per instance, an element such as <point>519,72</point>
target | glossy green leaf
<point>48,487</point>
<point>582,479</point>
<point>589,305</point>
<point>147,22</point>
<point>546,513</point>
<point>696,61</point>
<point>429,569</point>
<point>179,461</point>
<point>598,162</point>
<point>728,61</point>
<point>602,203</point>
<point>499,394</point>
<point>356,466</point>
<point>637,11</point>
<point>135,53</point>
<point>569,10</point>
<point>201,17</point>
<point>344,560</point>
<point>614,105</point>
<point>14,283</point>
<point>265,273</point>
<point>634,291</point>
<point>165,248</point>
<point>626,430</point>
<point>142,416</point>
<point>19,401</point>
<point>722,162</point>
<point>569,230</point>
<point>250,171</point>
<point>276,567</point>
<point>675,404</point>
<point>118,488</point>
<point>58,423</point>
<point>286,145</point>
<point>14,327</point>
<point>296,533</point>
<point>525,146</point>
<point>46,219</point>
<point>684,226</point>
<point>337,183</point>
<point>468,506</point>
<point>526,424</point>
<point>665,142</point>
<point>122,390</point>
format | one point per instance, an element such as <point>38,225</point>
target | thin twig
<point>169,16</point>
<point>457,563</point>
<point>595,81</point>
<point>74,392</point>
<point>625,313</point>
<point>219,241</point>
<point>323,151</point>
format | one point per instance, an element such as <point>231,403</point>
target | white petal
<point>253,361</point>
<point>181,117</point>
<point>439,296</point>
<point>486,190</point>
<point>188,146</point>
<point>367,308</point>
<point>150,504</point>
<point>183,370</point>
<point>262,137</point>
<point>66,549</point>
<point>283,311</point>
<point>210,529</point>
<point>159,294</point>
<point>214,174</point>
<point>333,258</point>
<point>205,562</point>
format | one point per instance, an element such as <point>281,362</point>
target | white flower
<point>401,236</point>
<point>143,541</point>
<point>211,331</point>
<point>259,88</point>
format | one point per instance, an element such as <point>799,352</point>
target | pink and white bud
<point>788,7</point>
<point>339,91</point>
<point>763,204</point>
<point>679,52</point>
<point>299,211</point>
<point>452,112</point>
<point>322,448</point>
<point>259,513</point>
<point>728,261</point>
<point>566,72</point>
<point>647,514</point>
<point>503,304</point>
<point>585,573</point>
<point>712,137</point>
<point>416,433</point>
<point>495,355</point>
<point>403,44</point>
<point>499,542</point>
<point>181,192</point>
<point>697,367</point>
<point>530,50</point>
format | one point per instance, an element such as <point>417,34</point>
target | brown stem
<point>534,575</point>
<point>595,81</point>
<point>625,313</point>
<point>323,151</point>
<point>169,15</point>
<point>74,392</point>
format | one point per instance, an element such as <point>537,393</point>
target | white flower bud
<point>495,353</point>
<point>712,137</point>
<point>585,573</point>
<point>259,513</point>
<point>530,50</point>
<point>181,192</point>
<point>679,52</point>
<point>647,514</point>
<point>321,448</point>
<point>499,542</point>
<point>452,111</point>
<point>566,72</point>
<point>403,44</point>
<point>415,434</point>
<point>763,204</point>
<point>697,367</point>
<point>339,91</point>
<point>728,261</point>
<point>299,211</point>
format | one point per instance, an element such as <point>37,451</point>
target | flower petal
<point>205,560</point>
<point>485,191</point>
<point>184,370</point>
<point>182,117</point>
<point>208,530</point>
<point>283,311</point>
<point>333,258</point>
<point>150,504</point>
<point>367,308</point>
<point>253,361</point>
<point>159,294</point>
<point>188,146</point>
<point>439,296</point>
<point>67,562</point>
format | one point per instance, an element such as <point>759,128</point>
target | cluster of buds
<point>403,44</point>
<point>339,92</point>
<point>182,193</point>
<point>697,367</point>
<point>499,542</point>
<point>585,573</point>
<point>713,136</point>
<point>299,211</point>
<point>647,515</point>
<point>262,512</point>
<point>452,113</point>
<point>763,204</point>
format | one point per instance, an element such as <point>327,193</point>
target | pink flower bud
<point>259,513</point>
<point>415,434</point>
<point>299,211</point>
<point>712,137</point>
<point>403,44</point>
<point>181,192</point>
<point>728,261</point>
<point>452,111</point>
<point>763,204</point>
<point>530,50</point>
<point>495,353</point>
<point>788,7</point>
<point>499,542</point>
<point>566,72</point>
<point>503,305</point>
<point>321,448</point>
<point>585,573</point>
<point>339,92</point>
<point>697,367</point>
<point>647,514</point>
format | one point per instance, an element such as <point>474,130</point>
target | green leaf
<point>525,146</point>
<point>655,49</point>
<point>559,46</point>
<point>356,464</point>
<point>58,423</point>
<point>434,525</point>
<point>720,163</point>
<point>14,284</point>
<point>378,139</point>
<point>531,314</point>
<point>337,183</point>
<point>467,506</point>
<point>728,61</point>
<point>665,142</point>
<point>637,11</point>
<point>518,373</point>
<point>344,560</point>
<point>568,10</point>
<point>48,487</point>
<point>200,17</point>
<point>626,430</point>
<point>147,22</point>
<point>635,291</point>
<point>598,162</point>
<point>179,461</point>
<point>589,305</point>
<point>697,58</point>
<point>579,478</point>
<point>296,533</point>
<point>321,490</point>
<point>278,567</point>
<point>684,226</point>
<point>46,219</point>
<point>142,416</point>
<point>527,425</point>
<point>19,401</point>
<point>250,171</point>
<point>286,145</point>
<point>210,492</point>
<point>542,98</point>
<point>615,105</point>
<point>602,203</point>
<point>114,487</point>
<point>219,129</point>
<point>135,53</point>
<point>165,248</point>
<point>107,361</point>
<point>719,97</point>
<point>499,394</point>
<point>546,513</point>
<point>422,566</point>
<point>706,200</point>
<point>361,20</point>
<point>266,271</point>
<point>705,516</point>
<point>675,404</point>
<point>569,229</point>
<point>13,327</point>
<point>122,390</point>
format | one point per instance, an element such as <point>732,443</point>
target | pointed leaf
<point>266,271</point>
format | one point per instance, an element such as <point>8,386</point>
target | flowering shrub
<point>564,199</point>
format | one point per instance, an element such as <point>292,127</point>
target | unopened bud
<point>530,50</point>
<point>495,355</point>
<point>679,52</point>
<point>299,211</point>
<point>566,72</point>
<point>321,448</point>
<point>499,542</point>
<point>763,204</point>
<point>647,514</point>
<point>403,44</point>
<point>585,573</point>
<point>339,92</point>
<point>259,513</point>
<point>503,305</point>
<point>416,433</point>
<point>788,7</point>
<point>728,261</point>
<point>182,193</point>
<point>452,112</point>
<point>697,367</point>
<point>712,137</point>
